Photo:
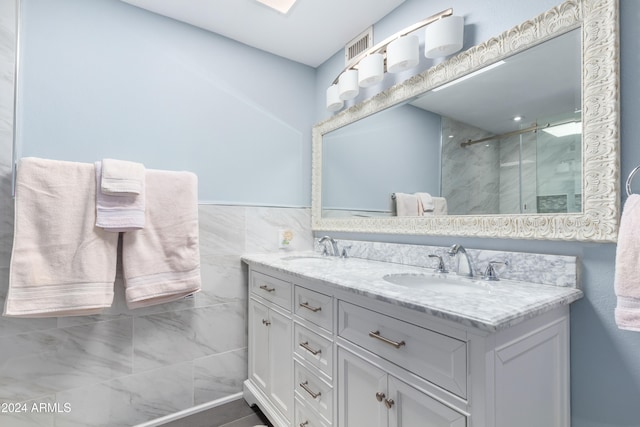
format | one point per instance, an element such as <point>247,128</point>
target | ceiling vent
<point>358,45</point>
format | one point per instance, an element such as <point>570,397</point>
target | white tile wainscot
<point>369,352</point>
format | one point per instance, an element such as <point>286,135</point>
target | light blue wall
<point>605,361</point>
<point>101,78</point>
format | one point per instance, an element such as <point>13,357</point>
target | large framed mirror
<point>517,137</point>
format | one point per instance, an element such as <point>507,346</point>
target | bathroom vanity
<point>343,342</point>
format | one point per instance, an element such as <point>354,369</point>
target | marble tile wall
<point>165,358</point>
<point>125,367</point>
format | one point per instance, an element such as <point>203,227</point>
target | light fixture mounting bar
<point>381,47</point>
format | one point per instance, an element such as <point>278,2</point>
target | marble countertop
<point>491,307</point>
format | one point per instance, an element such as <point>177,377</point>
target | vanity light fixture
<point>371,70</point>
<point>517,118</point>
<point>348,85</point>
<point>334,103</point>
<point>443,37</point>
<point>402,54</point>
<point>397,53</point>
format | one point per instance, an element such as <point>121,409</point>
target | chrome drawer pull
<point>380,396</point>
<point>308,307</point>
<point>305,386</point>
<point>307,347</point>
<point>266,288</point>
<point>265,322</point>
<point>304,424</point>
<point>389,403</point>
<point>376,334</point>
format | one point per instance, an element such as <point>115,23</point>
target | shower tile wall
<point>125,367</point>
<point>470,175</point>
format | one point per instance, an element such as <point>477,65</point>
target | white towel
<point>407,205</point>
<point>425,202</point>
<point>122,178</point>
<point>440,206</point>
<point>161,263</point>
<point>627,275</point>
<point>124,212</point>
<point>61,264</point>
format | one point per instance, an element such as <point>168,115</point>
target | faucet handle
<point>491,273</point>
<point>441,268</point>
<point>345,251</point>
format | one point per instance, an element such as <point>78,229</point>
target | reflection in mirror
<point>460,145</point>
<point>367,162</point>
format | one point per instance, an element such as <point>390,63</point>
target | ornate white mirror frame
<point>599,218</point>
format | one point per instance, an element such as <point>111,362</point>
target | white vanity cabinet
<point>270,356</point>
<point>334,357</point>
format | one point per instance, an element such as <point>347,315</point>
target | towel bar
<point>630,178</point>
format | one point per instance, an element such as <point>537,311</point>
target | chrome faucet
<point>491,273</point>
<point>441,268</point>
<point>334,246</point>
<point>465,268</point>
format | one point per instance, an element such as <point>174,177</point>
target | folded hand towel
<point>407,205</point>
<point>118,213</point>
<point>122,178</point>
<point>425,202</point>
<point>161,263</point>
<point>627,275</point>
<point>61,264</point>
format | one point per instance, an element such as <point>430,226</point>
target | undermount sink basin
<point>438,283</point>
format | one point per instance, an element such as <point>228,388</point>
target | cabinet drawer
<point>306,417</point>
<point>314,392</point>
<point>437,358</point>
<point>314,306</point>
<point>275,290</point>
<point>314,349</point>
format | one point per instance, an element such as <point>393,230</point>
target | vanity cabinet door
<point>371,397</point>
<point>360,386</point>
<point>270,358</point>
<point>259,344</point>
<point>280,362</point>
<point>412,408</point>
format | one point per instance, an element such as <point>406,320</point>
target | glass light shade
<point>443,37</point>
<point>334,103</point>
<point>348,85</point>
<point>371,70</point>
<point>402,54</point>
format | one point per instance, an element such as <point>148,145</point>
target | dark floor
<point>232,414</point>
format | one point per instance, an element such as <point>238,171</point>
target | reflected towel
<point>627,275</point>
<point>61,264</point>
<point>425,202</point>
<point>440,206</point>
<point>407,205</point>
<point>122,178</point>
<point>161,263</point>
<point>118,213</point>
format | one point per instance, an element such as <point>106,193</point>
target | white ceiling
<point>312,31</point>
